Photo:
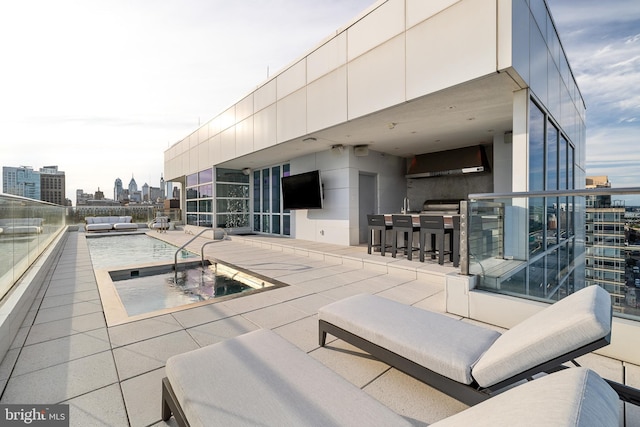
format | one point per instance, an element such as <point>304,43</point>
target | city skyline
<point>115,100</point>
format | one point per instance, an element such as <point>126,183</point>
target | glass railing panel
<point>27,228</point>
<point>547,244</point>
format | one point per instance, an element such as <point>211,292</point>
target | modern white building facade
<point>404,81</point>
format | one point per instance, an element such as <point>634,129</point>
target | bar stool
<point>377,224</point>
<point>434,227</point>
<point>455,244</point>
<point>403,224</point>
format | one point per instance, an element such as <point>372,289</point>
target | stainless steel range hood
<point>451,162</point>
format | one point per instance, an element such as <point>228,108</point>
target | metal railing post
<point>464,237</point>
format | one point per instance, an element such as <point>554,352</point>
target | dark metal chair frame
<point>377,223</point>
<point>403,224</point>
<point>470,394</point>
<point>433,225</point>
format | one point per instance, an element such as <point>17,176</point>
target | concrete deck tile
<point>311,303</point>
<point>250,302</point>
<point>275,315</point>
<point>303,333</point>
<point>71,287</point>
<point>409,294</point>
<point>71,298</point>
<point>355,365</point>
<point>435,302</point>
<point>7,364</point>
<point>632,378</point>
<point>130,333</point>
<point>102,407</point>
<point>144,356</point>
<point>65,311</point>
<point>203,314</point>
<point>60,328</point>
<point>413,399</point>
<point>290,292</point>
<point>220,330</point>
<point>21,337</point>
<point>54,352</point>
<point>62,382</point>
<point>142,398</point>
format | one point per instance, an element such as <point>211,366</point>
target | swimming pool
<point>139,249</point>
<point>136,278</point>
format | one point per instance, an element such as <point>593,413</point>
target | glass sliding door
<point>268,215</point>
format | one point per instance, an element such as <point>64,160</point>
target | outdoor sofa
<point>261,379</point>
<point>21,225</point>
<point>108,223</point>
<point>464,360</point>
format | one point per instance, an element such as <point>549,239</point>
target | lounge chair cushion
<point>574,397</point>
<point>577,320</point>
<point>260,379</point>
<point>440,343</point>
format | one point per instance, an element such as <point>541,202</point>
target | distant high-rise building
<point>133,187</point>
<point>117,189</point>
<point>145,192</point>
<point>21,181</point>
<point>99,195</point>
<point>162,189</point>
<point>605,243</point>
<point>52,185</point>
<point>83,198</point>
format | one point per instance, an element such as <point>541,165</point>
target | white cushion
<point>125,226</point>
<point>574,397</point>
<point>440,343</point>
<point>98,227</point>
<point>260,379</point>
<point>578,319</point>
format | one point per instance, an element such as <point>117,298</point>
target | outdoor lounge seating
<point>108,223</point>
<point>464,360</point>
<point>260,378</point>
<point>21,225</point>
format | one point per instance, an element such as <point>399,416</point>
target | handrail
<point>175,257</point>
<point>224,237</point>
<point>550,193</point>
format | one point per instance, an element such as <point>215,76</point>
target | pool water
<point>159,288</point>
<point>118,251</point>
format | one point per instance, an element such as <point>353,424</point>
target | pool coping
<point>116,314</point>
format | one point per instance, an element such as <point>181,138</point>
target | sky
<point>101,88</point>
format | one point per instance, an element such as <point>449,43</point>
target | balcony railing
<point>27,227</point>
<point>547,244</point>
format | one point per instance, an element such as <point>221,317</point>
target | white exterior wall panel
<point>376,28</point>
<point>328,57</point>
<point>292,116</point>
<point>264,96</point>
<point>445,50</point>
<point>264,128</point>
<point>376,80</point>
<point>291,79</point>
<point>327,100</point>
<point>244,137</point>
<point>419,10</point>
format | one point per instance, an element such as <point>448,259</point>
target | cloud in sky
<point>602,41</point>
<point>102,88</point>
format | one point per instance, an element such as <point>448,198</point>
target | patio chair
<point>463,360</point>
<point>260,378</point>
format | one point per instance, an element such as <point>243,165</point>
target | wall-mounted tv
<point>302,191</point>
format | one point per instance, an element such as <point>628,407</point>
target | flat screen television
<point>302,191</point>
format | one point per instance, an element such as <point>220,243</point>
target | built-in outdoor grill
<point>441,207</point>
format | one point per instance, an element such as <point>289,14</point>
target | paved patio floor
<point>111,375</point>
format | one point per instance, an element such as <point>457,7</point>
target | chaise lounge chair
<point>463,360</point>
<point>260,379</point>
